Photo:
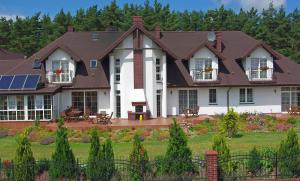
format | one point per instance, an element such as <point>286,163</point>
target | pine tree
<point>108,160</point>
<point>254,164</point>
<point>288,155</point>
<point>138,160</point>
<point>24,160</point>
<point>178,156</point>
<point>63,161</point>
<point>93,171</point>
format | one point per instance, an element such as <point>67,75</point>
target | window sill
<point>246,102</point>
<point>212,104</point>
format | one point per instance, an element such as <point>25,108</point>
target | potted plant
<point>57,72</point>
<point>264,68</point>
<point>208,69</point>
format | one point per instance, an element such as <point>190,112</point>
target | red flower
<point>57,71</point>
<point>6,163</point>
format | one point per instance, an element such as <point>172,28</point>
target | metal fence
<point>242,166</point>
<point>123,170</point>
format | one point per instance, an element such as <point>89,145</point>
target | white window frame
<point>209,94</point>
<point>91,63</point>
<point>199,68</point>
<point>258,69</point>
<point>117,73</point>
<point>158,76</point>
<point>68,74</point>
<point>246,96</point>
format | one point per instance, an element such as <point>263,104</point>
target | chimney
<point>219,41</point>
<point>137,19</point>
<point>157,32</point>
<point>71,29</point>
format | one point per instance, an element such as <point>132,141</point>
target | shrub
<point>63,161</point>
<point>93,164</point>
<point>138,160</point>
<point>47,141</point>
<point>289,164</point>
<point>293,120</point>
<point>178,156</point>
<point>254,164</point>
<point>24,160</point>
<point>230,123</point>
<point>268,161</point>
<point>227,167</point>
<point>108,159</point>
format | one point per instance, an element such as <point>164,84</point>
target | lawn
<point>198,144</point>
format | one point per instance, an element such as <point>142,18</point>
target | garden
<point>176,161</point>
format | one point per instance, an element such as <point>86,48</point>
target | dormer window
<point>61,71</point>
<point>37,64</point>
<point>203,69</point>
<point>259,68</point>
<point>93,63</point>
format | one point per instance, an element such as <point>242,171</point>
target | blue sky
<point>10,8</point>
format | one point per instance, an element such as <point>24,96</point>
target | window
<point>61,71</point>
<point>258,68</point>
<point>246,95</point>
<point>290,96</point>
<point>158,103</point>
<point>203,69</point>
<point>188,99</point>
<point>93,63</point>
<point>85,101</point>
<point>117,70</point>
<point>212,96</point>
<point>158,70</point>
<point>118,104</point>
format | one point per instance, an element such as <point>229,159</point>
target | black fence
<point>246,167</point>
<point>122,171</point>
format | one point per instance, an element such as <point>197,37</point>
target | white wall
<point>59,54</point>
<point>266,100</point>
<point>259,53</point>
<point>204,53</point>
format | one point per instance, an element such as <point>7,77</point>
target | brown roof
<point>179,46</point>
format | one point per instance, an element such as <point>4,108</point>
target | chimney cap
<point>137,19</point>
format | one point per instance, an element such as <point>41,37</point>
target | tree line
<point>279,29</point>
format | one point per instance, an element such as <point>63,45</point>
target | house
<point>150,74</point>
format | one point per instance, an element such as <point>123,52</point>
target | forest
<point>276,27</point>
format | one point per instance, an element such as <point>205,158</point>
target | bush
<point>268,161</point>
<point>108,159</point>
<point>63,161</point>
<point>24,160</point>
<point>138,160</point>
<point>254,164</point>
<point>289,161</point>
<point>178,156</point>
<point>293,120</point>
<point>230,123</point>
<point>47,141</point>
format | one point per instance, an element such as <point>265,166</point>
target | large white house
<point>148,73</point>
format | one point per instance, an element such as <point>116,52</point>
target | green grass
<point>198,144</point>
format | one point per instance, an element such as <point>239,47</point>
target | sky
<point>23,8</point>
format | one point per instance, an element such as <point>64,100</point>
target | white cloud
<point>11,16</point>
<point>261,4</point>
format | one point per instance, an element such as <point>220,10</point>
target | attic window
<point>36,64</point>
<point>93,63</point>
<point>95,36</point>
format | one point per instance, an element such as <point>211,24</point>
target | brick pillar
<point>211,165</point>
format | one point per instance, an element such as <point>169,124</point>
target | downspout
<point>227,93</point>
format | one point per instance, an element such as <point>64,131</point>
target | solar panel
<point>18,82</point>
<point>31,82</point>
<point>6,81</point>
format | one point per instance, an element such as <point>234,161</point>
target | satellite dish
<point>211,36</point>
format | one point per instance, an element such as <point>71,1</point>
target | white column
<point>164,90</point>
<point>112,85</point>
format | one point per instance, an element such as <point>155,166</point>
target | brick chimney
<point>219,41</point>
<point>157,32</point>
<point>137,19</point>
<point>71,29</point>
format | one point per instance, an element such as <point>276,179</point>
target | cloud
<point>261,4</point>
<point>11,16</point>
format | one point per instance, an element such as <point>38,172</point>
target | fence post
<point>211,165</point>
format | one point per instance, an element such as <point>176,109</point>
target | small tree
<point>254,164</point>
<point>63,161</point>
<point>227,167</point>
<point>108,160</point>
<point>24,160</point>
<point>230,123</point>
<point>138,160</point>
<point>93,171</point>
<point>178,158</point>
<point>288,154</point>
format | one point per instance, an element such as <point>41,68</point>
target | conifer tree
<point>288,154</point>
<point>93,171</point>
<point>254,164</point>
<point>24,160</point>
<point>178,159</point>
<point>63,161</point>
<point>108,160</point>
